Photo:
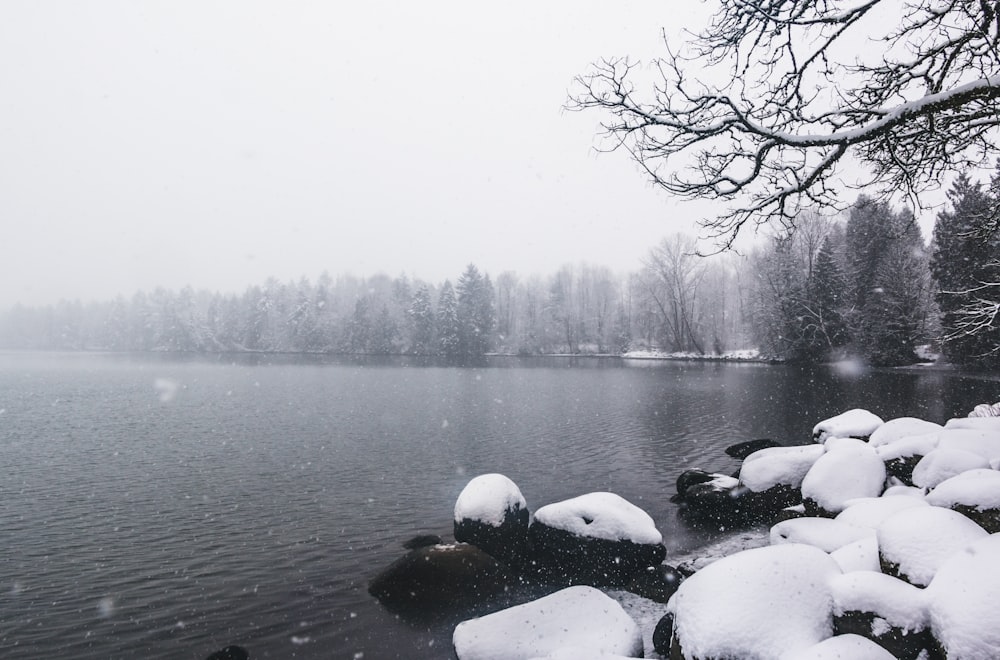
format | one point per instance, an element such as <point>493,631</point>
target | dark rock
<point>422,541</point>
<point>230,653</point>
<point>901,643</point>
<point>507,541</point>
<point>711,504</point>
<point>814,510</point>
<point>567,558</point>
<point>690,478</point>
<point>440,578</point>
<point>743,449</point>
<point>988,519</point>
<point>662,635</point>
<point>902,468</point>
<point>656,583</point>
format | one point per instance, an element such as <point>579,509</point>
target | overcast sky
<point>218,143</point>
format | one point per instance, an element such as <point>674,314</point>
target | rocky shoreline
<point>876,541</point>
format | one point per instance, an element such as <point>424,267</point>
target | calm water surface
<point>155,506</point>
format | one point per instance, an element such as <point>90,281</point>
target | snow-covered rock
<point>842,647</point>
<point>759,603</point>
<point>599,539</point>
<point>785,466</point>
<point>973,423</point>
<point>580,653</point>
<point>985,442</point>
<point>822,533</point>
<point>489,499</point>
<point>901,427</point>
<point>901,456</point>
<point>862,555</point>
<point>856,423</point>
<point>914,543</point>
<point>581,617</point>
<point>962,599</point>
<point>601,516</point>
<point>883,609</point>
<point>492,514</point>
<point>975,494</point>
<point>871,511</point>
<point>985,411</point>
<point>840,475</point>
<point>943,463</point>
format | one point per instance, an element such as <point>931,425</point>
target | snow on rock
<point>843,443</point>
<point>963,608</point>
<point>914,543</point>
<point>842,647</point>
<point>898,603</point>
<point>601,515</point>
<point>822,533</point>
<point>871,511</point>
<point>975,423</point>
<point>917,445</point>
<point>985,442</point>
<point>862,555</point>
<point>487,498</point>
<point>579,616</point>
<point>902,490</point>
<point>901,427</point>
<point>944,463</point>
<point>758,603</point>
<point>787,466</point>
<point>843,474</point>
<point>978,489</point>
<point>856,423</point>
<point>985,411</point>
<point>580,653</point>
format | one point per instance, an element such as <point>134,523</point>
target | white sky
<point>216,143</point>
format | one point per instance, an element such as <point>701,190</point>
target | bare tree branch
<point>795,98</point>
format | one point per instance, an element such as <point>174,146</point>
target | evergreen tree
<point>475,312</point>
<point>964,264</point>
<point>422,323</point>
<point>823,327</point>
<point>384,333</point>
<point>359,328</point>
<point>449,329</point>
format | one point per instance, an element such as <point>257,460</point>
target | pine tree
<point>824,328</point>
<point>421,322</point>
<point>448,326</point>
<point>475,312</point>
<point>964,264</point>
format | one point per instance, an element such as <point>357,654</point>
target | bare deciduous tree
<point>910,88</point>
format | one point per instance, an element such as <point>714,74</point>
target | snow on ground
<point>753,605</point>
<point>901,427</point>
<point>963,601</point>
<point>578,616</point>
<point>603,516</point>
<point>778,465</point>
<point>749,355</point>
<point>842,474</point>
<point>921,539</point>
<point>975,488</point>
<point>854,423</point>
<point>487,498</point>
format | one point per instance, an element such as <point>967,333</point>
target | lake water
<point>156,506</point>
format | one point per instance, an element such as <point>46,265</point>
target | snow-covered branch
<point>794,98</point>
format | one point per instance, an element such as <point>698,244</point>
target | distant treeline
<point>865,285</point>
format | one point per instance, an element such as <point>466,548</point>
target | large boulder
<point>823,533</point>
<point>599,539</point>
<point>760,603</point>
<point>975,494</point>
<point>901,456</point>
<point>430,580</point>
<point>856,423</point>
<point>743,449</point>
<point>578,617</point>
<point>491,514</point>
<point>884,609</point>
<point>842,647</point>
<point>845,472</point>
<point>943,463</point>
<point>899,428</point>
<point>914,543</point>
<point>962,599</point>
